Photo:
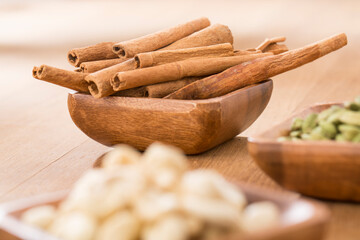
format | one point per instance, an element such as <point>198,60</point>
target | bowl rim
<point>262,138</point>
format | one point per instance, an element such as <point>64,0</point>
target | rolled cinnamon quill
<point>269,41</point>
<point>161,90</point>
<point>95,52</point>
<point>258,70</point>
<point>245,52</point>
<point>214,34</point>
<point>276,48</point>
<point>158,90</point>
<point>134,92</point>
<point>61,77</point>
<point>34,71</point>
<point>177,70</point>
<point>149,59</point>
<point>159,39</point>
<point>99,82</point>
<point>94,66</point>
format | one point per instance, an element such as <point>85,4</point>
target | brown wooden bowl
<point>192,125</point>
<point>300,219</point>
<point>324,169</point>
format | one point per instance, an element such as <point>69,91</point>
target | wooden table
<point>41,150</point>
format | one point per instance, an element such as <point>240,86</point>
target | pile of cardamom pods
<point>335,123</point>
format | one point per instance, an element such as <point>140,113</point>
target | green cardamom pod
<point>352,106</point>
<point>356,139</point>
<point>295,134</point>
<point>340,138</point>
<point>317,134</point>
<point>309,123</point>
<point>334,123</point>
<point>350,117</point>
<point>349,131</point>
<point>335,116</point>
<point>328,129</point>
<point>296,124</point>
<point>305,136</point>
<point>324,115</point>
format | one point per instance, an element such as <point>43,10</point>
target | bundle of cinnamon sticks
<point>194,60</point>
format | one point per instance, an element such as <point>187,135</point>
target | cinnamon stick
<point>61,77</point>
<point>161,90</point>
<point>245,52</point>
<point>94,66</point>
<point>158,90</point>
<point>258,70</point>
<point>99,82</point>
<point>214,34</point>
<point>269,41</point>
<point>166,56</point>
<point>159,39</point>
<point>177,70</point>
<point>276,48</point>
<point>133,92</point>
<point>95,52</point>
<point>34,71</point>
<point>100,85</point>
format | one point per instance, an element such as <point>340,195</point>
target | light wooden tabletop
<point>41,150</point>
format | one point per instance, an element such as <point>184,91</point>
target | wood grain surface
<point>41,150</point>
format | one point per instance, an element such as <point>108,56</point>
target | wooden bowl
<point>324,169</point>
<point>192,125</point>
<point>300,219</point>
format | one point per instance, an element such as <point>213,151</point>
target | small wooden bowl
<point>192,125</point>
<point>300,219</point>
<point>324,169</point>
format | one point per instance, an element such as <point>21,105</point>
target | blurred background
<point>39,32</point>
<point>55,24</point>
